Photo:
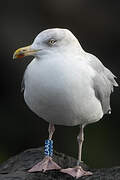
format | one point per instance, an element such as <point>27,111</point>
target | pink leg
<point>78,171</point>
<point>80,139</point>
<point>51,130</point>
<point>47,163</point>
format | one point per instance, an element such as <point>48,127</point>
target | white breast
<point>61,91</point>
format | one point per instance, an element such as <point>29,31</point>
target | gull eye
<point>52,41</point>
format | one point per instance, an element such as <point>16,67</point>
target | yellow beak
<point>22,52</point>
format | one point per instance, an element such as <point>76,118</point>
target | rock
<point>17,168</point>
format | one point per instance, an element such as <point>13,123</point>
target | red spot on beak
<point>20,55</point>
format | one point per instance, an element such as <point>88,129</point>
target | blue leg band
<point>48,147</point>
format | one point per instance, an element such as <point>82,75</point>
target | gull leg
<point>80,139</point>
<point>47,163</point>
<point>78,171</point>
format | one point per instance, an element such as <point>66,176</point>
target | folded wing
<point>103,82</point>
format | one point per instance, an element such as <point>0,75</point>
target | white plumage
<point>60,91</point>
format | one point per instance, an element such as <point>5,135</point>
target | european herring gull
<point>64,85</point>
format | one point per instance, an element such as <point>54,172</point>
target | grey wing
<point>103,89</point>
<point>103,82</point>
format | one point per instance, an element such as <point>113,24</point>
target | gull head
<point>48,42</point>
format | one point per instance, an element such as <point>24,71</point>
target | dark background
<point>97,26</point>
